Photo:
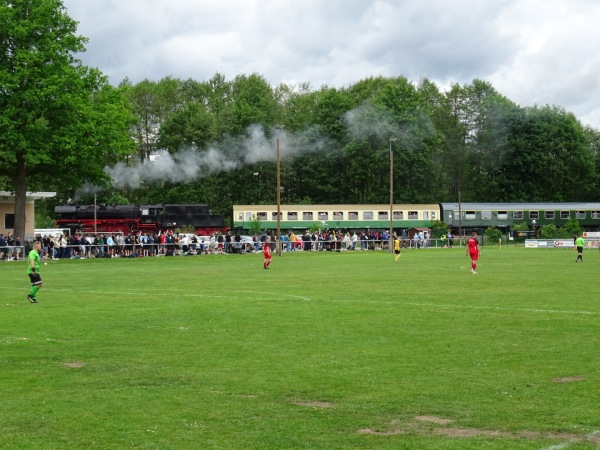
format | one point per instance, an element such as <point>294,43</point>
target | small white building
<point>7,210</point>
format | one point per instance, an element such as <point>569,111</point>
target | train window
<point>352,215</point>
<point>413,215</point>
<point>382,215</point>
<point>323,215</point>
<point>502,215</point>
<point>517,214</point>
<point>534,214</point>
<point>145,211</point>
<point>367,215</point>
<point>425,215</point>
<point>470,215</point>
<point>262,215</point>
<point>240,216</point>
<point>274,215</point>
<point>292,215</point>
<point>248,216</point>
<point>338,215</point>
<point>565,214</point>
<point>399,215</point>
<point>433,215</point>
<point>580,214</point>
<point>595,214</point>
<point>307,215</point>
<point>548,214</point>
<point>486,215</point>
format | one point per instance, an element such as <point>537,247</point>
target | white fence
<point>17,253</point>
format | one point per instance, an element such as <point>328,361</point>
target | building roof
<point>551,206</point>
<point>8,195</point>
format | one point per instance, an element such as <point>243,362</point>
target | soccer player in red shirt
<point>473,251</point>
<point>267,253</point>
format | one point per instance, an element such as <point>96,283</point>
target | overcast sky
<point>532,51</point>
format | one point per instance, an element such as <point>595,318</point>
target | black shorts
<point>36,279</point>
<point>579,249</point>
<point>397,252</point>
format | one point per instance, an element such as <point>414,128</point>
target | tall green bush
<point>572,228</point>
<point>255,227</point>
<point>493,235</point>
<point>551,231</point>
<point>438,229</point>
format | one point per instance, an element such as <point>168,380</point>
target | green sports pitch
<point>322,351</point>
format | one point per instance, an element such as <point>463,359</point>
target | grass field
<point>322,351</point>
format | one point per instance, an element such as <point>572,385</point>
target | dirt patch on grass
<point>428,425</point>
<point>74,365</point>
<point>314,404</point>
<point>469,432</point>
<point>381,433</point>
<point>568,379</point>
<point>434,419</point>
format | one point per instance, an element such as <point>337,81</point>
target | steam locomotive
<point>138,218</point>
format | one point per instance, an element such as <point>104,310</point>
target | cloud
<point>532,51</point>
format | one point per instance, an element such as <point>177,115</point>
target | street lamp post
<point>391,245</point>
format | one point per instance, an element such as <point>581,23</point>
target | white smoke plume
<point>191,164</point>
<point>257,145</point>
<point>369,122</point>
<point>87,189</point>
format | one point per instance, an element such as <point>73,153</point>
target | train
<point>150,218</point>
<point>457,216</point>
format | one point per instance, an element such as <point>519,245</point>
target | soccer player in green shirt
<point>579,243</point>
<point>33,270</point>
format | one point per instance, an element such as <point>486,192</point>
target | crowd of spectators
<point>10,247</point>
<point>332,240</point>
<point>171,243</point>
<point>115,245</point>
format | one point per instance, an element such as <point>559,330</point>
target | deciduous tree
<point>54,110</point>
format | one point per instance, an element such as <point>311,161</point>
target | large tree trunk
<point>20,196</point>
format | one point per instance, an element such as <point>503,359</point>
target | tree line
<point>64,128</point>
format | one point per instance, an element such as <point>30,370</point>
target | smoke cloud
<point>87,189</point>
<point>191,164</point>
<point>379,125</point>
<point>258,145</point>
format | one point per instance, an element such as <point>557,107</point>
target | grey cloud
<point>339,42</point>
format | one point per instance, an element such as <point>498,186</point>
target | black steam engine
<point>138,218</point>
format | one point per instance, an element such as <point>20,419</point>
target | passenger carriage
<point>507,215</point>
<point>345,217</point>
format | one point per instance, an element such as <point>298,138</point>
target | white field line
<point>500,308</point>
<point>179,293</point>
<point>587,437</point>
<point>186,293</point>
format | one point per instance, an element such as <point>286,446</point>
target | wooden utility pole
<point>278,202</point>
